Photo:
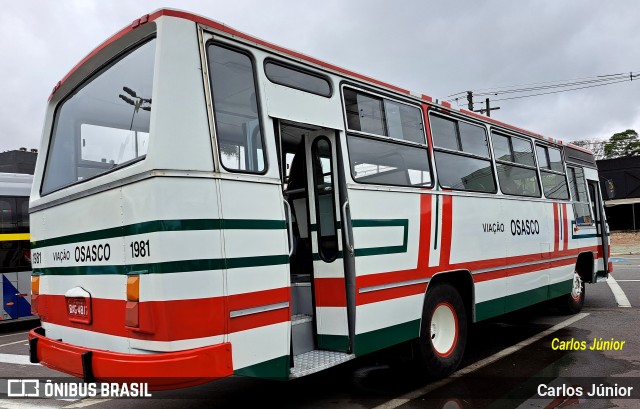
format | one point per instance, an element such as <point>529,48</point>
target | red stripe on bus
<point>447,226</point>
<point>173,319</point>
<point>398,277</point>
<point>258,298</point>
<point>424,243</point>
<point>556,230</point>
<point>261,319</point>
<point>566,226</point>
<point>391,293</point>
<point>330,292</point>
<point>514,271</point>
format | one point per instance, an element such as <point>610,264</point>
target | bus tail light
<point>132,312</point>
<point>35,292</point>
<point>133,288</point>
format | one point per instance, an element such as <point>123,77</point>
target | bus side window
<point>386,140</point>
<point>515,164</point>
<point>235,105</point>
<point>462,155</point>
<point>581,207</point>
<point>554,183</point>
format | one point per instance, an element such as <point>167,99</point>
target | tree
<point>622,144</point>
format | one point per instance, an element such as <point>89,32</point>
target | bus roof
<point>224,28</point>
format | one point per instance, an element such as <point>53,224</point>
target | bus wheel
<point>572,303</point>
<point>443,333</point>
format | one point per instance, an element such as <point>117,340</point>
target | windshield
<point>104,123</point>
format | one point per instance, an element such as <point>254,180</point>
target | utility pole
<point>488,108</point>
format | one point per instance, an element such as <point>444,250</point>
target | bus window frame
<point>497,161</point>
<point>549,170</point>
<point>216,40</point>
<point>426,147</point>
<point>488,158</point>
<point>576,201</point>
<point>93,75</point>
<point>303,70</point>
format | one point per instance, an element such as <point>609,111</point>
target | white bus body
<point>206,203</point>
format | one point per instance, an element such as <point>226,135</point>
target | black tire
<point>439,355</point>
<point>572,303</point>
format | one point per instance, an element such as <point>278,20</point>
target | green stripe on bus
<point>277,368</point>
<point>502,305</point>
<point>575,236</point>
<point>381,338</point>
<point>168,266</point>
<point>333,342</point>
<point>163,226</point>
<point>375,251</point>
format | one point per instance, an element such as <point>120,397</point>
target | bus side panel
<point>477,242</point>
<point>388,298</point>
<point>173,241</point>
<point>62,255</point>
<point>257,282</point>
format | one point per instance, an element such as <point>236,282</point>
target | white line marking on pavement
<point>394,403</point>
<point>11,343</point>
<point>626,280</point>
<point>620,296</point>
<point>86,402</point>
<point>15,359</point>
<point>17,333</point>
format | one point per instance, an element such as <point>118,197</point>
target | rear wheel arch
<point>462,281</point>
<point>446,314</point>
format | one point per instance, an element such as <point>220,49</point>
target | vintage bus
<point>15,257</point>
<point>207,203</point>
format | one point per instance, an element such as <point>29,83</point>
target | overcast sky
<point>432,47</point>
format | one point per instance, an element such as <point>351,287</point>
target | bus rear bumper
<point>168,370</point>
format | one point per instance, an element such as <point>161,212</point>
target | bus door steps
<point>317,360</point>
<point>301,298</point>
<point>302,333</point>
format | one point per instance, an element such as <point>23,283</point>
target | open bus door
<point>602,230</point>
<point>316,200</point>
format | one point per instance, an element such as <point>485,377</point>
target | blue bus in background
<point>15,253</point>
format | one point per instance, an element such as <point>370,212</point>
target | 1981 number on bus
<point>140,249</point>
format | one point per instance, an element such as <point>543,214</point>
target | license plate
<point>79,310</point>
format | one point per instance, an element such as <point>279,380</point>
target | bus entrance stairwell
<point>310,192</point>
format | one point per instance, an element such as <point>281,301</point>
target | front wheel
<point>572,303</point>
<point>443,333</point>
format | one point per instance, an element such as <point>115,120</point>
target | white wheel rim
<point>576,291</point>
<point>444,329</point>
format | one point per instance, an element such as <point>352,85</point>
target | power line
<point>548,84</point>
<point>569,84</point>
<point>562,90</point>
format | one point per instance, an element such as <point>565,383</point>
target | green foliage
<point>622,144</point>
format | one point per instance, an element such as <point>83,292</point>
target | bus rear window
<point>104,124</point>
